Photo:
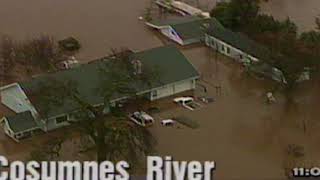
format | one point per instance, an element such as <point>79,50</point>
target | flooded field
<point>245,136</point>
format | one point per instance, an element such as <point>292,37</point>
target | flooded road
<point>239,131</point>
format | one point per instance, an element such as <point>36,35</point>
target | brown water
<point>303,12</point>
<point>105,24</point>
<point>99,24</point>
<point>245,136</point>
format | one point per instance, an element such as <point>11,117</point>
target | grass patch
<point>187,122</point>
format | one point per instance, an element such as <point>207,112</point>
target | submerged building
<point>254,56</point>
<point>251,54</point>
<point>176,75</point>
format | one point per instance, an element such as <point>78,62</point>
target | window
<point>18,135</point>
<point>241,56</point>
<point>212,42</point>
<point>207,38</point>
<point>61,119</point>
<point>154,94</point>
<point>228,50</point>
<point>222,48</point>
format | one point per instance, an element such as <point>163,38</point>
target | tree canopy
<point>237,13</point>
<point>291,53</point>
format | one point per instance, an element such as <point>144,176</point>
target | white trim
<point>8,86</point>
<point>157,27</point>
<point>253,58</point>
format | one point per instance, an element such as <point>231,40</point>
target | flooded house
<point>192,30</point>
<point>184,31</point>
<point>175,75</point>
<point>251,54</point>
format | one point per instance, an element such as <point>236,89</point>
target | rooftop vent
<point>137,65</point>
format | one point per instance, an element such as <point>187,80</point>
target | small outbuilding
<point>19,126</point>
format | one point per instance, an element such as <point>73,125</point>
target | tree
<point>7,56</point>
<point>42,51</point>
<point>113,137</point>
<point>69,44</point>
<point>318,23</point>
<point>148,15</point>
<point>237,13</point>
<point>311,38</point>
<point>48,151</point>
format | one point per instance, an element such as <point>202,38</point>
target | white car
<point>187,102</point>
<point>183,100</point>
<point>141,118</point>
<point>70,63</point>
<point>168,122</point>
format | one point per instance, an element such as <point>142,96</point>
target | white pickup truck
<point>187,102</point>
<point>141,118</point>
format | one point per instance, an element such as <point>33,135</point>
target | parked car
<point>168,122</point>
<point>68,64</point>
<point>141,118</point>
<point>187,102</point>
<point>183,100</point>
<point>270,98</point>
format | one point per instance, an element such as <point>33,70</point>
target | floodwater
<point>105,24</point>
<point>302,12</point>
<point>98,24</point>
<point>244,135</point>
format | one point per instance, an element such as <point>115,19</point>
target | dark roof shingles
<point>22,122</point>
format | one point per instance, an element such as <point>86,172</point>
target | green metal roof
<point>240,41</point>
<point>171,64</point>
<point>22,122</point>
<point>173,21</point>
<point>188,27</point>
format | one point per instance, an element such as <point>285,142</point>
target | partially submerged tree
<point>70,44</point>
<point>287,52</point>
<point>48,151</point>
<point>148,15</point>
<point>237,13</point>
<point>42,51</point>
<point>7,57</point>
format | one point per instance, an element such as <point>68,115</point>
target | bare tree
<point>113,137</point>
<point>7,57</point>
<point>42,51</point>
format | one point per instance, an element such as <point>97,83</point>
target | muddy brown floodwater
<point>301,12</point>
<point>244,135</point>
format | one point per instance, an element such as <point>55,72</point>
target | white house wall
<point>173,89</point>
<point>234,53</point>
<point>51,124</point>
